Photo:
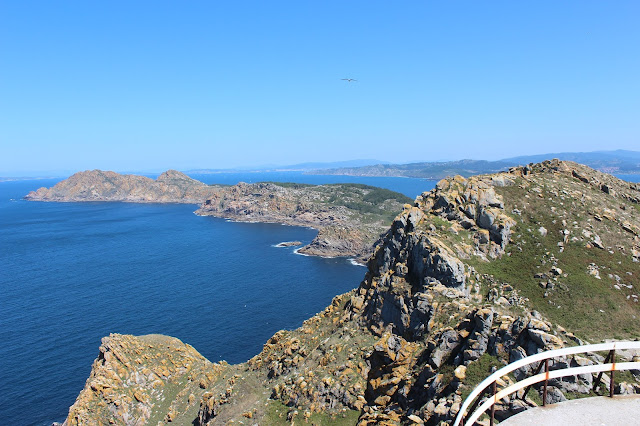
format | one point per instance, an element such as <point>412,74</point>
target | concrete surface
<point>598,411</point>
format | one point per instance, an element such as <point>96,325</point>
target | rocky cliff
<point>349,217</point>
<point>476,273</point>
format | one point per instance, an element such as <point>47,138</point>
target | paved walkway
<point>598,411</point>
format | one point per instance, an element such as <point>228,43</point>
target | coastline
<point>348,218</point>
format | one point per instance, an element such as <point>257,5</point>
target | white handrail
<point>552,374</point>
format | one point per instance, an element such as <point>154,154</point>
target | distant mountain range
<point>617,162</point>
<point>309,166</point>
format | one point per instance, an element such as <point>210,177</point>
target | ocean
<point>71,273</point>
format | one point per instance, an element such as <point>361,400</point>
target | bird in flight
<point>349,80</point>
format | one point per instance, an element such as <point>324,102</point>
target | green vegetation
<point>590,307</point>
<point>291,185</point>
<point>364,199</point>
<point>375,195</point>
<point>440,223</point>
<point>579,302</point>
<point>380,195</point>
<point>479,370</point>
<point>371,202</point>
<point>277,415</point>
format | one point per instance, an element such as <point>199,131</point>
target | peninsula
<point>349,217</point>
<point>474,274</point>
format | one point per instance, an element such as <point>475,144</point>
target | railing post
<point>526,391</point>
<point>613,370</point>
<point>493,406</point>
<point>546,379</point>
<point>606,360</point>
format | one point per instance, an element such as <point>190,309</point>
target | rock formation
<point>473,275</point>
<point>143,380</point>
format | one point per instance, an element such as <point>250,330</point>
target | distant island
<point>616,162</point>
<point>349,217</point>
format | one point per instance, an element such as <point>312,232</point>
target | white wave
<point>297,251</point>
<point>355,262</point>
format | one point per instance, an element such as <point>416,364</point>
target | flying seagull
<point>349,80</point>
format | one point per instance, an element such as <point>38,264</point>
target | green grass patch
<point>441,224</point>
<point>589,307</point>
<point>373,194</point>
<point>276,415</point>
<point>292,185</point>
<point>578,300</point>
<point>624,376</point>
<point>479,370</point>
<point>366,200</point>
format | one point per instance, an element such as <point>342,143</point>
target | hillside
<point>349,217</point>
<point>619,162</point>
<point>474,274</point>
<point>428,170</point>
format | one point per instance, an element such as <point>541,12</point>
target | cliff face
<point>477,273</point>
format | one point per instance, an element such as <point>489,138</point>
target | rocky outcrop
<point>335,240</point>
<point>475,274</point>
<point>142,380</point>
<point>413,258</point>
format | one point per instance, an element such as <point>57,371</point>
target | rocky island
<point>476,273</point>
<point>349,217</point>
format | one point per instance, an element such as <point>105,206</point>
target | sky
<point>151,85</point>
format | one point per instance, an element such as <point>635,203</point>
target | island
<point>349,217</point>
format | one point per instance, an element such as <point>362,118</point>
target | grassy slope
<point>578,299</point>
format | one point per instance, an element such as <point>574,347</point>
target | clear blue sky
<point>151,85</point>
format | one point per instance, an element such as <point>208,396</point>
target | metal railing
<point>543,358</point>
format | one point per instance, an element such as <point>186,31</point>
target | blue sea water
<point>71,273</point>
